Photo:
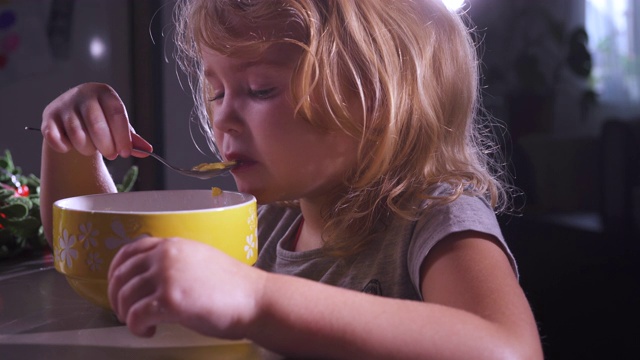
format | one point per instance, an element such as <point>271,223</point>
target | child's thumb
<point>140,143</point>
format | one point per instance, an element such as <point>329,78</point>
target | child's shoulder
<point>466,212</point>
<point>443,205</point>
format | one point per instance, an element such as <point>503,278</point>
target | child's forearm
<point>305,318</point>
<point>66,175</point>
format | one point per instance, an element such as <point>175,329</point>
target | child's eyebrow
<point>275,65</point>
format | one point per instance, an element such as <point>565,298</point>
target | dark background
<point>575,157</point>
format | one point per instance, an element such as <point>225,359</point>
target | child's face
<point>282,157</point>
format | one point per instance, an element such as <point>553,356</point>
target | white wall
<point>33,77</point>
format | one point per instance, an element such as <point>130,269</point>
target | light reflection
<point>97,48</point>
<point>453,4</point>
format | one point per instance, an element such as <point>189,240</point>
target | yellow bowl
<point>89,230</point>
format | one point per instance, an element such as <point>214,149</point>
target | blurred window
<point>614,40</point>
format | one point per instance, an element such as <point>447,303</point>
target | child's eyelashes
<point>216,97</point>
<point>262,93</point>
<point>259,94</point>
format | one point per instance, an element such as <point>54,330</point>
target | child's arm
<point>475,310</point>
<point>69,174</point>
<point>79,128</point>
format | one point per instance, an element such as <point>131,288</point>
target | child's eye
<point>216,97</point>
<point>262,93</point>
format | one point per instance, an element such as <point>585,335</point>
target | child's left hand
<point>157,280</point>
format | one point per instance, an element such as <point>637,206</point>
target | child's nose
<point>226,117</point>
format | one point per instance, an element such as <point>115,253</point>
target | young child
<point>354,124</point>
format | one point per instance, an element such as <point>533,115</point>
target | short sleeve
<point>463,214</point>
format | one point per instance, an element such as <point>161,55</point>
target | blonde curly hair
<point>410,66</point>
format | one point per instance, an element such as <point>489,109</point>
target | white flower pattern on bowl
<point>122,237</point>
<point>94,261</point>
<point>88,235</point>
<point>66,253</point>
<point>251,244</point>
<point>253,227</point>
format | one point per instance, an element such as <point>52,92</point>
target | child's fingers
<point>56,139</point>
<point>129,250</point>
<point>118,279</point>
<point>90,117</point>
<point>128,263</point>
<point>145,315</point>
<point>140,143</point>
<point>77,134</point>
<point>98,130</point>
<point>135,289</point>
<point>117,120</point>
<point>139,284</point>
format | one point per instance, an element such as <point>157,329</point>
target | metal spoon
<point>209,171</point>
<point>202,171</point>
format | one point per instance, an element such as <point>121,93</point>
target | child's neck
<point>309,235</point>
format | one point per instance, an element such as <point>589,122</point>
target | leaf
<point>128,180</point>
<point>20,200</point>
<point>14,211</point>
<point>6,162</point>
<point>32,181</point>
<point>6,194</point>
<point>20,220</point>
<point>35,200</point>
<point>24,228</point>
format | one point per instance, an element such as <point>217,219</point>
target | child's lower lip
<point>242,165</point>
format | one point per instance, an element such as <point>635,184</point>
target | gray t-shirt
<point>390,265</point>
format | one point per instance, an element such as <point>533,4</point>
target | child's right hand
<point>91,118</point>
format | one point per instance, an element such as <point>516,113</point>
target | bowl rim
<point>62,203</point>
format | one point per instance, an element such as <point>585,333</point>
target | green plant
<point>20,223</point>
